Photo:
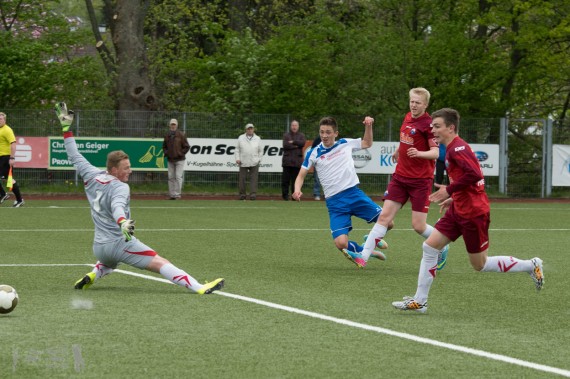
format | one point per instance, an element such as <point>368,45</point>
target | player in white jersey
<point>334,164</point>
<point>109,197</point>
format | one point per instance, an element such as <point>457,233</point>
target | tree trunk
<point>134,91</point>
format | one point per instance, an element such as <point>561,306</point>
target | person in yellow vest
<point>7,160</point>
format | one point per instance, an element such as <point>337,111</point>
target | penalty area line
<point>376,329</point>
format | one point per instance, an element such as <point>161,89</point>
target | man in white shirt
<point>249,151</point>
<point>333,162</point>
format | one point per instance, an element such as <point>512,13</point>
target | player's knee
<point>340,244</point>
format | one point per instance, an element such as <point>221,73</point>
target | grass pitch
<point>293,306</point>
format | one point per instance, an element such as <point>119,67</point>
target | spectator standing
<point>7,160</point>
<point>440,165</point>
<point>249,151</point>
<point>293,144</point>
<point>175,147</point>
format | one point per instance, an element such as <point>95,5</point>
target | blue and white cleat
<point>442,258</point>
<point>355,258</point>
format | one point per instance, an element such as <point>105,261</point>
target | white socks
<point>507,264</point>
<point>378,232</point>
<point>101,270</point>
<point>180,277</point>
<point>428,270</point>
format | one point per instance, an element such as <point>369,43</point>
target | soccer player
<point>467,214</point>
<point>109,197</point>
<point>413,178</point>
<point>335,166</point>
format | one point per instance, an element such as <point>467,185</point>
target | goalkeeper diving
<point>109,197</point>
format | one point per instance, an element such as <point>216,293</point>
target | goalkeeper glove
<point>65,116</point>
<point>128,228</point>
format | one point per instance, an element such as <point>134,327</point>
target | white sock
<point>427,232</point>
<point>180,277</point>
<point>377,233</point>
<point>503,263</point>
<point>101,270</point>
<point>428,270</point>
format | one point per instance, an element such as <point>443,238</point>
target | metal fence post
<point>503,157</point>
<point>547,158</point>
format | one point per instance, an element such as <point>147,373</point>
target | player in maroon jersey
<point>467,214</point>
<point>413,178</point>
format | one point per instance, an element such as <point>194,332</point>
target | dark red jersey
<point>415,132</point>
<point>467,184</point>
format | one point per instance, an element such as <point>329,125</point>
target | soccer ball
<point>8,298</point>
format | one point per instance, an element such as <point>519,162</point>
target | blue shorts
<point>348,203</point>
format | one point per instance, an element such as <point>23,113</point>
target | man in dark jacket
<point>293,144</point>
<point>175,147</point>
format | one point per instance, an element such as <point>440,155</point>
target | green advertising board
<point>145,153</point>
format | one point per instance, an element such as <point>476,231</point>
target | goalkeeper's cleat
<point>4,198</point>
<point>85,282</point>
<point>64,115</point>
<point>442,257</point>
<point>210,287</point>
<point>537,274</point>
<point>381,244</point>
<point>410,304</point>
<point>18,204</point>
<point>355,258</point>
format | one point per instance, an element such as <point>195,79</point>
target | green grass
<point>279,252</point>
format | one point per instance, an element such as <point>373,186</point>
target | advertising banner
<point>210,154</point>
<point>217,154</point>
<point>31,152</point>
<point>145,153</point>
<point>561,165</point>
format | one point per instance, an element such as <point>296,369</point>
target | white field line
<point>371,328</point>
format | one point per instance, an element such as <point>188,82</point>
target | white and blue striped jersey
<point>108,196</point>
<point>334,165</point>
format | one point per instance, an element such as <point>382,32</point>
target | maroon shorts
<point>400,189</point>
<point>475,231</point>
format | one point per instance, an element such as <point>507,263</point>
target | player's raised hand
<point>368,121</point>
<point>64,115</point>
<point>128,228</point>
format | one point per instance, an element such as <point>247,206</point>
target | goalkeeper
<point>109,196</point>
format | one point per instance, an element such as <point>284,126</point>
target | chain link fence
<point>524,163</point>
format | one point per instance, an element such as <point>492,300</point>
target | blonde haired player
<point>109,197</point>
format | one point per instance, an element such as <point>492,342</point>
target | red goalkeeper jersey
<point>467,184</point>
<point>415,132</point>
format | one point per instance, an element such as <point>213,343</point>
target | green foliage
<point>43,64</point>
<point>309,58</point>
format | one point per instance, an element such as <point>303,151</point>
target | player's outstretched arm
<point>85,169</point>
